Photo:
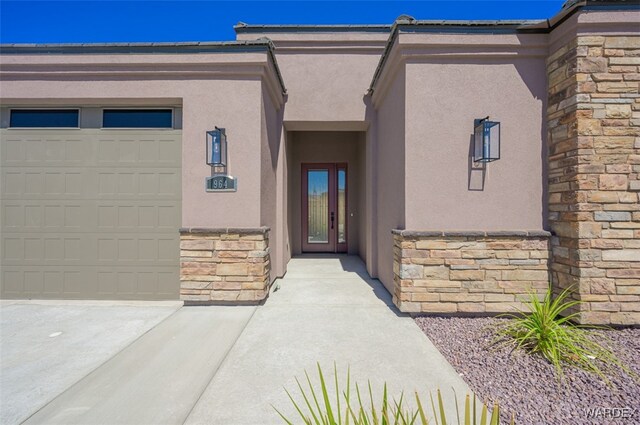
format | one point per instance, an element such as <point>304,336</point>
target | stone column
<point>224,266</point>
<point>593,122</point>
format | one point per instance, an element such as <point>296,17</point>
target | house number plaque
<point>221,183</point>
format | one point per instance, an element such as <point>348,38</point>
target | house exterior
<point>355,139</point>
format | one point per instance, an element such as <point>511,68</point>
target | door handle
<point>332,218</point>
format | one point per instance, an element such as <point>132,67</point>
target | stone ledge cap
<point>226,230</point>
<point>472,233</point>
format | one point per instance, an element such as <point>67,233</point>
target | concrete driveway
<point>47,346</point>
<point>215,365</point>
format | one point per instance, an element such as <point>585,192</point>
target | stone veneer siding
<point>224,265</point>
<point>468,272</point>
<point>593,122</point>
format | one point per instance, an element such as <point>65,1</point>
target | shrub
<point>548,329</point>
<point>320,407</point>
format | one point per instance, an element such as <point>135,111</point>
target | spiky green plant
<point>548,329</point>
<point>322,407</point>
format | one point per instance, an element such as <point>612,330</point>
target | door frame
<point>332,245</point>
<point>344,246</point>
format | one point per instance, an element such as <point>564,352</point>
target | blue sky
<point>120,21</point>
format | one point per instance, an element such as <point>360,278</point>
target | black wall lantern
<point>217,147</point>
<point>486,140</point>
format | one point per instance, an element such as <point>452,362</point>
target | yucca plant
<point>323,407</point>
<point>548,329</point>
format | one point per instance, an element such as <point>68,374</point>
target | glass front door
<point>324,207</point>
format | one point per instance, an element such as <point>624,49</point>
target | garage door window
<point>137,118</point>
<point>44,118</point>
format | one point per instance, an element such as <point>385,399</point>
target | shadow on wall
<point>477,170</point>
<point>538,88</point>
<point>275,140</point>
<point>273,126</point>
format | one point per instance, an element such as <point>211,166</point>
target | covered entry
<point>326,191</point>
<point>90,213</point>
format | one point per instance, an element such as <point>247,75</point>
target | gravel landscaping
<point>526,385</point>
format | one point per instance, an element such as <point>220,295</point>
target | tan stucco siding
<point>445,190</point>
<point>326,87</point>
<point>390,174</point>
<point>207,102</point>
<point>271,179</point>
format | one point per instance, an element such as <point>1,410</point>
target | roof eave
<point>243,28</point>
<point>515,26</point>
<point>263,44</point>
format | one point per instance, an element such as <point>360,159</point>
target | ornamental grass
<point>548,329</point>
<point>323,406</point>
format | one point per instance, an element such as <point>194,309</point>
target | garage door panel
<point>96,249</point>
<point>12,248</point>
<point>13,183</point>
<point>12,283</point>
<point>48,216</point>
<point>90,282</point>
<point>78,216</point>
<point>94,214</point>
<point>41,281</point>
<point>12,149</point>
<point>38,147</point>
<point>31,183</point>
<point>137,148</point>
<point>53,283</point>
<point>92,147</point>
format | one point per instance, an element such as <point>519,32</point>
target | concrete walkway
<point>327,310</point>
<point>219,365</point>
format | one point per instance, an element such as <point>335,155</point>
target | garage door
<point>90,214</point>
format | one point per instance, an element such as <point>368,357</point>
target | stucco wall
<point>432,87</point>
<point>390,171</point>
<point>318,147</point>
<point>326,87</point>
<point>443,99</point>
<point>208,100</point>
<point>362,197</point>
<point>288,196</point>
<point>270,212</point>
<point>327,74</point>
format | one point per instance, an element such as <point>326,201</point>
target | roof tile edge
<point>532,26</point>
<point>242,27</point>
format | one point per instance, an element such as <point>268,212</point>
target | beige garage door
<point>90,214</point>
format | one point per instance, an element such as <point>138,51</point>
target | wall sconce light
<point>486,140</point>
<point>217,148</point>
<point>219,181</point>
